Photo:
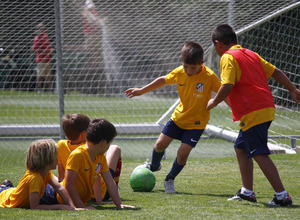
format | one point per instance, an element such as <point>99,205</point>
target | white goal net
<point>101,48</point>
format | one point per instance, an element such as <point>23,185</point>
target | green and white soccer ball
<point>142,180</point>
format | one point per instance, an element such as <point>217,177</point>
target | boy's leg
<point>246,171</point>
<point>246,168</point>
<point>189,139</point>
<point>180,161</point>
<point>114,161</point>
<point>161,144</point>
<point>270,171</point>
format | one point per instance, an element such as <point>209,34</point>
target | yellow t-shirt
<point>87,172</point>
<point>19,197</point>
<point>231,74</point>
<point>64,150</point>
<point>194,93</point>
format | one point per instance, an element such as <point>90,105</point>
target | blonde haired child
<point>41,158</point>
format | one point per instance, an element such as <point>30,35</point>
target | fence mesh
<point>109,46</point>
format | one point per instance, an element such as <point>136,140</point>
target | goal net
<point>101,48</point>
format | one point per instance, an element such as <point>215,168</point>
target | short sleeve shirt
<point>194,93</point>
<point>19,197</point>
<point>87,171</point>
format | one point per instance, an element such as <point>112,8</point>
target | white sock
<point>280,195</point>
<point>246,192</point>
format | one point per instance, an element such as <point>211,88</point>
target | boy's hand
<point>89,207</point>
<point>210,104</point>
<point>133,92</point>
<point>126,207</point>
<point>295,94</point>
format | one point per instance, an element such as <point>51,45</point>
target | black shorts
<point>255,140</point>
<point>186,136</point>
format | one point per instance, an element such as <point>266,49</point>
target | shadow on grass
<point>110,206</point>
<point>200,194</point>
<point>104,207</point>
<point>281,207</point>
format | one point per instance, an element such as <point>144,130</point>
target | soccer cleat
<point>6,183</point>
<point>241,197</point>
<point>169,186</point>
<point>148,166</point>
<point>287,201</point>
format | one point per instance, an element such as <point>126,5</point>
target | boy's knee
<point>115,148</point>
<point>159,148</point>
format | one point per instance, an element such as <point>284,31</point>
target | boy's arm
<point>34,202</point>
<point>285,81</point>
<point>62,192</point>
<point>70,186</point>
<point>157,83</point>
<point>61,172</point>
<point>222,94</point>
<point>113,190</point>
<point>97,190</point>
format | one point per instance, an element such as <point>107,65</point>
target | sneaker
<point>147,165</point>
<point>6,183</point>
<point>169,186</point>
<point>241,197</point>
<point>287,201</point>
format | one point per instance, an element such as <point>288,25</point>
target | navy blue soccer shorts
<point>49,197</point>
<point>255,140</point>
<point>186,136</point>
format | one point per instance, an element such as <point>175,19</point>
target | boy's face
<point>192,69</point>
<point>54,164</point>
<point>104,146</point>
<point>220,48</point>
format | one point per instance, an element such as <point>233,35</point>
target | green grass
<point>203,188</point>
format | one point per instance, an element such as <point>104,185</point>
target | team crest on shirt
<point>200,87</point>
<point>98,168</point>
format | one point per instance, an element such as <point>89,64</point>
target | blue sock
<point>156,158</point>
<point>175,170</point>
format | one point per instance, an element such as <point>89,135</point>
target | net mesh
<point>110,46</point>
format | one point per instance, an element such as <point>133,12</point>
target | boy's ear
<point>217,43</point>
<point>83,135</point>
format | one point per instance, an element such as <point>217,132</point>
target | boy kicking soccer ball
<point>195,83</point>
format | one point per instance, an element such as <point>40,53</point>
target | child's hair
<point>74,124</point>
<point>192,53</point>
<point>224,34</point>
<point>40,154</point>
<point>100,129</point>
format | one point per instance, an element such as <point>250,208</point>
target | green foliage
<point>203,188</point>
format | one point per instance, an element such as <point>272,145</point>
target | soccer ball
<point>142,180</point>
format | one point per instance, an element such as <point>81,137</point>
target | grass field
<point>202,191</point>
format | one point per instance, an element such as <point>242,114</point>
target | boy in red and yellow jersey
<point>244,77</point>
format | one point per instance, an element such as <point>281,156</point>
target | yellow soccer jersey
<point>231,74</point>
<point>64,150</point>
<point>194,93</point>
<point>87,171</point>
<point>19,197</point>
